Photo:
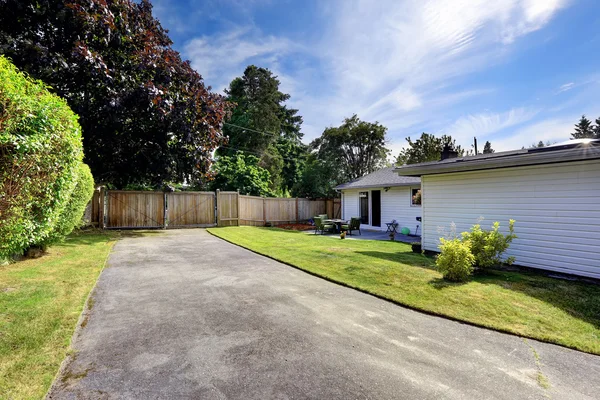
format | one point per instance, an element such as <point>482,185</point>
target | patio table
<point>338,223</point>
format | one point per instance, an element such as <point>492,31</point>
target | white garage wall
<point>349,204</point>
<point>556,208</point>
<point>395,204</point>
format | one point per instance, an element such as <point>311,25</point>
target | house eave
<point>378,186</point>
<point>466,164</point>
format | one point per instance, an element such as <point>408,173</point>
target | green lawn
<point>40,302</point>
<point>527,304</point>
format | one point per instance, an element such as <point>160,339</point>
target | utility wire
<point>255,152</point>
<point>252,130</point>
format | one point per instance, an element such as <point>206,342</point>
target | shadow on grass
<point>577,298</point>
<point>441,283</point>
<point>94,236</point>
<point>405,257</point>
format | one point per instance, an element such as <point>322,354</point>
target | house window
<point>415,197</point>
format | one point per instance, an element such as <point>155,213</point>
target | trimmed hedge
<point>40,161</point>
<point>70,218</point>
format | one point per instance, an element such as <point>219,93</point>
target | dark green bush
<point>40,156</point>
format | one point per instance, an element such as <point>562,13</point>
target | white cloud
<point>375,49</point>
<point>565,87</point>
<point>222,57</point>
<point>549,130</point>
<point>484,124</point>
<point>398,62</point>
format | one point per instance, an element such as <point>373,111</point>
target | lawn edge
<point>83,316</point>
<point>408,306</point>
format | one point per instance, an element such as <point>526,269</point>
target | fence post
<point>297,215</point>
<point>217,209</point>
<point>101,208</point>
<point>165,211</point>
<point>238,207</point>
<point>264,211</point>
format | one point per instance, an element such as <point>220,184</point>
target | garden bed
<point>296,227</point>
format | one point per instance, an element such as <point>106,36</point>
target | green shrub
<point>40,153</point>
<point>455,261</point>
<point>488,245</point>
<point>71,216</point>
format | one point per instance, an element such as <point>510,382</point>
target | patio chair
<point>320,226</point>
<point>354,225</point>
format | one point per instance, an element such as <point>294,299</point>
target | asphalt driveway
<point>184,315</point>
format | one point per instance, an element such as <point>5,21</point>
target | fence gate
<point>228,208</point>
<point>135,209</point>
<point>190,209</point>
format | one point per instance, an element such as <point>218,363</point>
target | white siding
<point>556,208</point>
<point>395,204</point>
<point>349,204</point>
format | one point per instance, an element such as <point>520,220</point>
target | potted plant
<point>416,247</point>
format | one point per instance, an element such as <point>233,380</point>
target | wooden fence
<point>190,209</point>
<point>146,209</point>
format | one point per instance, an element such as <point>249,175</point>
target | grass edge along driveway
<point>40,302</point>
<point>523,303</point>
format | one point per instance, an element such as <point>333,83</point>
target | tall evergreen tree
<point>263,125</point>
<point>487,149</point>
<point>583,129</point>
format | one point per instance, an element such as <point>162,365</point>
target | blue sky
<point>510,71</point>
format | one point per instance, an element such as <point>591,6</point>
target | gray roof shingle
<point>381,178</point>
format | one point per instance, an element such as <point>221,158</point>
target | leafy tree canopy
<point>241,172</point>
<point>318,178</point>
<point>426,148</point>
<point>597,128</point>
<point>146,115</point>
<point>355,148</point>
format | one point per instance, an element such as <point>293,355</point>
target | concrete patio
<point>374,235</point>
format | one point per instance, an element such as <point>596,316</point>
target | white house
<point>381,197</point>
<point>553,193</point>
